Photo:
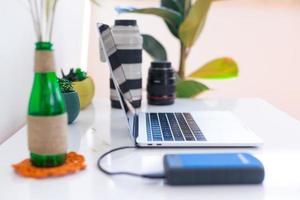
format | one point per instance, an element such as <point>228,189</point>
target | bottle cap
<point>161,64</point>
<point>125,22</point>
<point>43,46</point>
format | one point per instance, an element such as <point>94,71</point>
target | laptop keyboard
<point>172,127</point>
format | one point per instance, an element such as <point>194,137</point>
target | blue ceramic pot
<point>72,105</point>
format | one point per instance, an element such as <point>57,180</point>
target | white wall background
<point>263,36</point>
<point>16,53</point>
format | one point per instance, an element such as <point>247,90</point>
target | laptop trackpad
<point>222,126</point>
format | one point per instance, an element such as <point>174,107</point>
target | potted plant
<point>185,19</point>
<point>71,99</point>
<point>83,84</point>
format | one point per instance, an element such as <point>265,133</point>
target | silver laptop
<point>174,129</point>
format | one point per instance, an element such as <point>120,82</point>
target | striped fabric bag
<point>119,70</point>
<point>127,42</point>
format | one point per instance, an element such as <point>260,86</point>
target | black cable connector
<point>150,175</point>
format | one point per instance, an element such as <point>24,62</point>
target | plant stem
<point>184,52</point>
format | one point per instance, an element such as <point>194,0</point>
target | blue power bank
<point>213,168</point>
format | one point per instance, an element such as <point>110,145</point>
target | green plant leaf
<point>154,48</point>
<point>217,69</point>
<point>187,6</point>
<point>172,17</point>
<point>177,78</point>
<point>183,6</point>
<point>180,6</point>
<point>81,75</point>
<point>171,4</point>
<point>189,88</point>
<point>193,24</point>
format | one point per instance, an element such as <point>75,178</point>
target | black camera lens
<point>161,84</point>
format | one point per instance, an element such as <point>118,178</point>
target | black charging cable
<point>150,175</point>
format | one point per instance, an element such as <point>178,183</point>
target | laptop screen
<point>116,69</point>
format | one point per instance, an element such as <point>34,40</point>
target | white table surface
<point>100,128</point>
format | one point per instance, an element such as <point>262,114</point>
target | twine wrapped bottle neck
<point>44,58</point>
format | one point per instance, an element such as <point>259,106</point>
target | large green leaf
<point>189,88</point>
<point>193,24</point>
<point>154,48</point>
<point>177,5</point>
<point>172,17</point>
<point>178,79</point>
<point>187,6</point>
<point>171,4</point>
<point>218,68</point>
<point>180,5</point>
<point>183,5</point>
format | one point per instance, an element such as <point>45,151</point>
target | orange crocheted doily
<point>74,163</point>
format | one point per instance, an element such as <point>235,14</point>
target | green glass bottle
<point>47,125</point>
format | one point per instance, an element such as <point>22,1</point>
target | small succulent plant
<point>75,75</point>
<point>65,85</point>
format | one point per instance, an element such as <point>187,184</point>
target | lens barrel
<point>161,84</point>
